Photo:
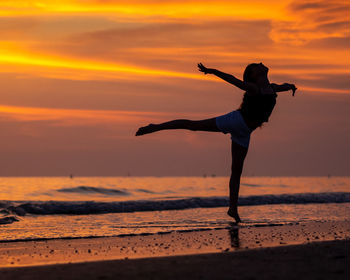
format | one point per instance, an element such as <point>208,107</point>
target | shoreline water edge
<point>232,238</point>
<point>311,250</point>
<point>172,228</point>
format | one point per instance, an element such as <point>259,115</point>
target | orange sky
<point>79,77</point>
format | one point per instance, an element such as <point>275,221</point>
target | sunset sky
<point>79,77</point>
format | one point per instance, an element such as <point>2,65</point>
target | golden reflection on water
<point>135,188</point>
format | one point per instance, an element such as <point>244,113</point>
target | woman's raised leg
<point>238,155</point>
<point>202,125</point>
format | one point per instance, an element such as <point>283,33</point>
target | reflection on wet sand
<point>234,235</point>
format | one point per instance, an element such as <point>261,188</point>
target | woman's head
<point>253,71</point>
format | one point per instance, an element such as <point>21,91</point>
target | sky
<point>78,78</point>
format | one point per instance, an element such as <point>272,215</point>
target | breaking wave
<point>92,207</point>
<point>95,190</point>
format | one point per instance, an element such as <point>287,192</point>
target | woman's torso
<point>256,108</point>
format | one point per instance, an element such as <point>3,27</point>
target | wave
<point>92,207</point>
<point>229,226</point>
<point>251,185</point>
<point>95,190</point>
<point>265,185</point>
<point>145,191</point>
<point>8,220</point>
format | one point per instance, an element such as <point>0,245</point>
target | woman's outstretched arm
<point>284,87</point>
<point>228,78</point>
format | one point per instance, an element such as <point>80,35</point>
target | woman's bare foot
<point>146,129</point>
<point>234,214</point>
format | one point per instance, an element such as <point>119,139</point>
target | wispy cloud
<point>317,19</point>
<point>75,116</point>
<point>20,58</point>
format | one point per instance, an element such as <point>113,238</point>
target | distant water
<point>57,207</point>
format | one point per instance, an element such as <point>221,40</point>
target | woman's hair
<point>248,73</point>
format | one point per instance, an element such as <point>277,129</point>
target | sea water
<point>59,207</point>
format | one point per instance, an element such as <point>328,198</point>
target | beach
<point>174,228</point>
<point>320,260</point>
<point>311,250</point>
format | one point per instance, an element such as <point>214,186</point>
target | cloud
<point>168,45</point>
<point>74,117</point>
<point>79,117</point>
<point>102,47</point>
<point>31,29</point>
<point>14,28</point>
<point>185,34</point>
<point>15,57</point>
<point>135,49</point>
<point>314,20</point>
<point>330,44</point>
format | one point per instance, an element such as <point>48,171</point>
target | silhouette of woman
<point>258,102</point>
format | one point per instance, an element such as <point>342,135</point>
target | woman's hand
<point>293,88</point>
<point>203,69</point>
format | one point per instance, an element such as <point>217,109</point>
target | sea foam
<point>93,207</point>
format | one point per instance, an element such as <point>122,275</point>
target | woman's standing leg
<point>238,155</point>
<point>202,125</point>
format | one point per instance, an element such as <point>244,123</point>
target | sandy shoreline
<point>316,260</point>
<point>234,238</point>
<point>309,250</point>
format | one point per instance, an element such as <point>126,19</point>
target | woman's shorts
<point>234,124</point>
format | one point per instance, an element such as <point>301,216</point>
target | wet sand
<point>318,260</point>
<point>226,253</point>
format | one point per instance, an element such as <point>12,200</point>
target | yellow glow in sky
<point>7,56</point>
<point>99,116</point>
<point>180,9</point>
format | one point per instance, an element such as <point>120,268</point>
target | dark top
<point>257,108</point>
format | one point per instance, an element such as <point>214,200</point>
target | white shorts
<point>234,124</point>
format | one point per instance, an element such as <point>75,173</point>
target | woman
<point>258,102</point>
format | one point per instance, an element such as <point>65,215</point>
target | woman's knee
<point>236,171</point>
<point>237,165</point>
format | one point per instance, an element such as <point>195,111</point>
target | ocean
<point>35,208</point>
